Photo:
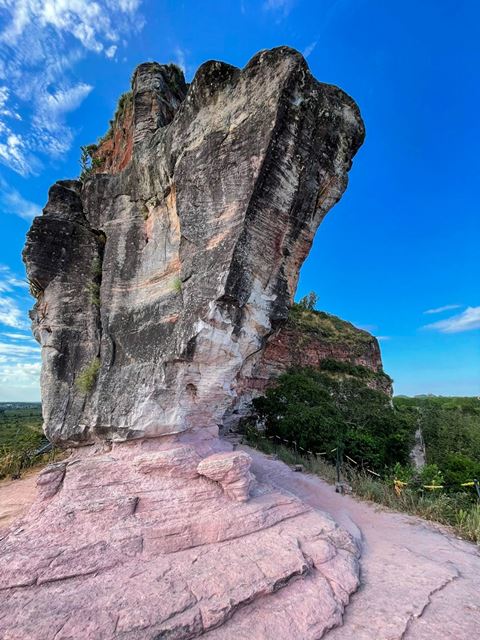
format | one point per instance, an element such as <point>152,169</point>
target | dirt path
<point>16,496</point>
<point>418,581</point>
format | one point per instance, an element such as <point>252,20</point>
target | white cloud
<point>282,7</point>
<point>383,338</point>
<point>180,58</point>
<point>13,203</point>
<point>309,49</point>
<point>10,314</point>
<point>8,280</point>
<point>468,320</point>
<point>111,51</point>
<point>20,381</point>
<point>36,74</point>
<point>17,350</point>
<point>447,307</point>
<point>17,336</point>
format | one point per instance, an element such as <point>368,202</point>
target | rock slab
<point>121,547</point>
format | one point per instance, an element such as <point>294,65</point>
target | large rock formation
<point>159,284</point>
<point>159,278</point>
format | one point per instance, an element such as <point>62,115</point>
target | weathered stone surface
<point>232,471</point>
<point>170,266</point>
<point>159,279</point>
<point>121,553</point>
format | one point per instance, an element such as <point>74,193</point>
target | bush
<point>87,378</point>
<point>321,411</point>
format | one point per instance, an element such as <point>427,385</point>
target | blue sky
<point>404,239</point>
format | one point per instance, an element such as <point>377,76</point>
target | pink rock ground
<point>130,542</point>
<point>418,581</point>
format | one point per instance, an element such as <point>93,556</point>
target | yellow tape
<point>400,483</point>
<point>433,486</point>
<point>468,484</point>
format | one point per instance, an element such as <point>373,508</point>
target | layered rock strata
<point>132,543</point>
<point>160,277</point>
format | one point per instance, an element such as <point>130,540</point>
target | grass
<point>87,378</point>
<point>328,327</point>
<point>93,290</point>
<point>455,509</point>
<point>177,285</point>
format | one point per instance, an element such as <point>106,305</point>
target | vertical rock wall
<point>160,277</point>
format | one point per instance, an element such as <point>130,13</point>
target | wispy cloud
<point>17,336</point>
<point>281,7</point>
<point>9,281</point>
<point>180,58</point>
<point>10,313</point>
<point>19,381</point>
<point>37,85</point>
<point>12,202</point>
<point>383,338</point>
<point>13,290</point>
<point>18,350</point>
<point>468,320</point>
<point>309,49</point>
<point>447,307</point>
<point>19,353</point>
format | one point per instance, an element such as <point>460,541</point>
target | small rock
<point>232,471</point>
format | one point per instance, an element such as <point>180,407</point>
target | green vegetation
<point>88,376</point>
<point>177,285</point>
<point>327,327</point>
<point>318,415</point>
<point>124,103</point>
<point>93,290</point>
<point>93,287</point>
<point>451,432</point>
<point>322,410</point>
<point>88,160</point>
<point>20,435</point>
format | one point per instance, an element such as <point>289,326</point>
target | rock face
<point>161,276</point>
<point>159,279</point>
<point>307,340</point>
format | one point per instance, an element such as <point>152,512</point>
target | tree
<point>309,301</point>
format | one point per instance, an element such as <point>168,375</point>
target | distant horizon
<point>397,256</point>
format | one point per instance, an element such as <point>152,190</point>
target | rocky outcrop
<point>232,471</point>
<point>127,549</point>
<point>160,277</point>
<point>308,340</point>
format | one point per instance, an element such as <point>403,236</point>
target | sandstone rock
<point>158,280</point>
<point>231,471</point>
<point>160,277</point>
<point>50,479</point>
<point>179,462</point>
<point>123,554</point>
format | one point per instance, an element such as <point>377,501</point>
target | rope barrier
<point>398,484</point>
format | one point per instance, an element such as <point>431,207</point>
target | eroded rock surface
<point>125,548</point>
<point>232,471</point>
<point>160,277</point>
